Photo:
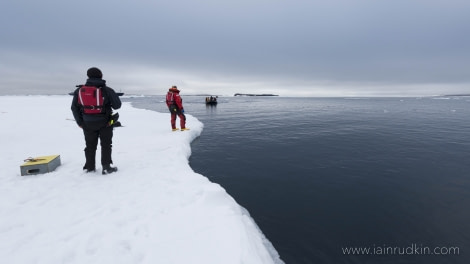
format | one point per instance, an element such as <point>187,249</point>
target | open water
<point>322,176</point>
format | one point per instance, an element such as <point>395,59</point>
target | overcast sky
<point>286,47</point>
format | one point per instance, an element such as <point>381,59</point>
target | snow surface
<point>155,209</point>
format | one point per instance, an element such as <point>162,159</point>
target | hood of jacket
<point>96,82</point>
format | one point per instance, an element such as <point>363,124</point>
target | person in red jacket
<point>175,105</point>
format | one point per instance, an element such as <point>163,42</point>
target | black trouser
<point>93,131</point>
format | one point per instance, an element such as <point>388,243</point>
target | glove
<point>182,111</point>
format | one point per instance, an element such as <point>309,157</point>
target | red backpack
<point>170,99</point>
<point>91,99</point>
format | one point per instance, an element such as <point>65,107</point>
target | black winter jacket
<point>111,101</point>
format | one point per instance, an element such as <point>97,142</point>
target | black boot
<point>88,169</point>
<point>108,169</point>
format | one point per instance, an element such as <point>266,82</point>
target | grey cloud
<point>389,42</point>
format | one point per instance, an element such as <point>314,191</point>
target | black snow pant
<point>93,131</point>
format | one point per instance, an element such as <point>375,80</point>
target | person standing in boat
<point>175,106</point>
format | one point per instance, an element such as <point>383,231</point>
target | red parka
<point>173,97</point>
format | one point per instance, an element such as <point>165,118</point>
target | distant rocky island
<point>456,95</point>
<point>242,94</point>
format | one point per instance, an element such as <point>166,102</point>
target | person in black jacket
<point>97,125</point>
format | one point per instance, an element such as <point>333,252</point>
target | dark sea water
<point>324,175</point>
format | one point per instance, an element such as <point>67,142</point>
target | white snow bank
<point>155,209</point>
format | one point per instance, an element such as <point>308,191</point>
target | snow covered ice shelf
<point>155,209</point>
